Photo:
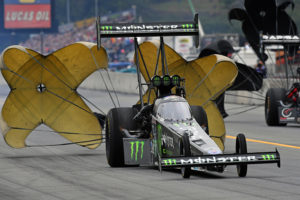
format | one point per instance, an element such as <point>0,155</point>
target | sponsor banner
<point>27,16</point>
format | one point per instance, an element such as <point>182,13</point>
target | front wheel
<point>185,150</point>
<point>241,148</point>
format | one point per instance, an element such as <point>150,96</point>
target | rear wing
<point>188,28</point>
<point>280,40</point>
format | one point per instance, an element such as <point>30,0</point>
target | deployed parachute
<point>267,17</point>
<point>247,79</point>
<point>43,91</point>
<point>205,79</point>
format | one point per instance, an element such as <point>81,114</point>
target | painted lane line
<point>265,142</point>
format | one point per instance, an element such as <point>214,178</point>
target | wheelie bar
<point>222,159</point>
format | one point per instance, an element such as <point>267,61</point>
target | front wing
<point>222,159</point>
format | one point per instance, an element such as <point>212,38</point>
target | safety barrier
<point>127,83</point>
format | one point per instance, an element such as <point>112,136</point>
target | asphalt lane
<point>73,172</point>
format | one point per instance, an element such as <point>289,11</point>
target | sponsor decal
<point>159,129</point>
<point>142,27</point>
<point>27,1</point>
<point>268,157</point>
<point>280,37</point>
<point>169,161</point>
<point>167,152</point>
<point>187,26</point>
<point>27,15</point>
<point>135,148</point>
<point>159,133</point>
<point>145,27</point>
<point>212,159</point>
<point>286,112</point>
<point>168,141</point>
<point>106,27</point>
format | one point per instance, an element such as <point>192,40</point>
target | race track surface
<point>75,173</point>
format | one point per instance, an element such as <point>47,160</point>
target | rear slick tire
<point>116,119</point>
<point>273,96</point>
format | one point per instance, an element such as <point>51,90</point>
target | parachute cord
<point>245,96</point>
<point>140,52</point>
<point>49,71</point>
<point>28,80</point>
<point>202,81</point>
<point>297,78</point>
<point>70,143</point>
<point>98,67</point>
<point>15,73</point>
<point>91,103</point>
<point>244,106</point>
<point>246,64</point>
<point>67,100</point>
<point>113,87</point>
<point>219,137</point>
<point>59,132</point>
<point>279,85</point>
<point>291,64</point>
<point>254,107</point>
<point>60,81</point>
<point>258,94</point>
<point>107,88</point>
<point>269,74</point>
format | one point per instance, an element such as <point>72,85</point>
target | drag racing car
<point>163,129</point>
<point>282,105</point>
<point>171,134</point>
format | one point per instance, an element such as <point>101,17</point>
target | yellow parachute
<point>205,79</point>
<point>43,91</point>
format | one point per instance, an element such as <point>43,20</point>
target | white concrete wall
<point>127,83</point>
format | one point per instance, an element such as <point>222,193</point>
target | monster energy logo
<point>106,27</point>
<point>187,26</point>
<point>146,27</point>
<point>268,157</point>
<point>135,149</point>
<point>170,161</point>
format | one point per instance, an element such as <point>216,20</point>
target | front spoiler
<point>222,159</point>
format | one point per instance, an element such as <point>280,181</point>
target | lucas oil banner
<point>20,14</point>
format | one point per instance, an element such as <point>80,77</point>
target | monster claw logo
<point>134,149</point>
<point>186,26</point>
<point>170,161</point>
<point>106,27</point>
<point>268,157</point>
